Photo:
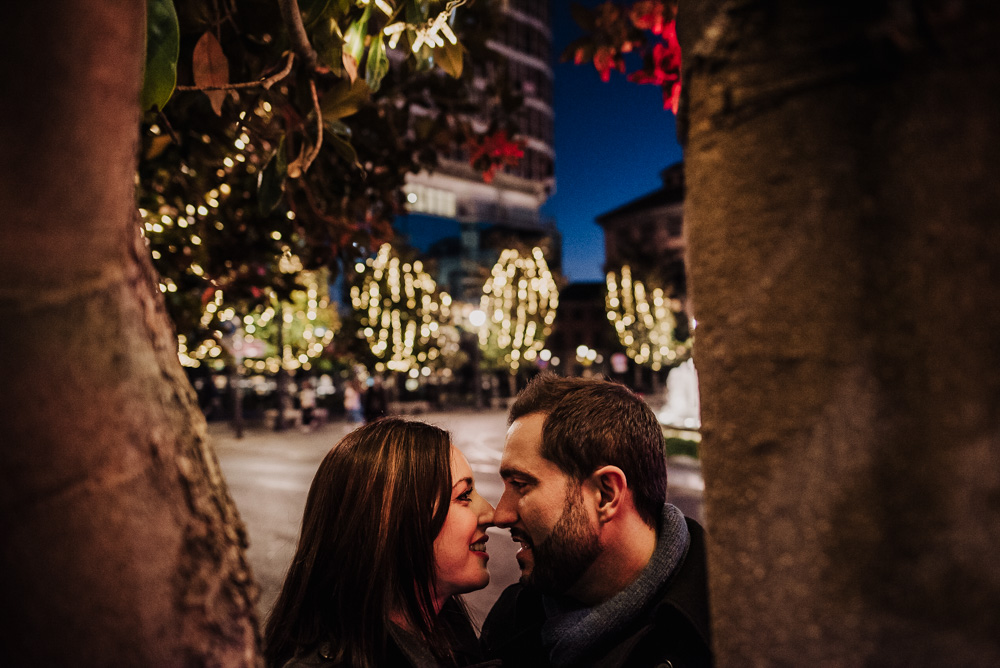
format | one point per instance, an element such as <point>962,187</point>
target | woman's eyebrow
<point>466,480</point>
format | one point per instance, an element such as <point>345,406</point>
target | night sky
<point>612,140</point>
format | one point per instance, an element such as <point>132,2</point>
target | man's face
<point>544,509</point>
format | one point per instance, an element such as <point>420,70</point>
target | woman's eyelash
<point>466,495</point>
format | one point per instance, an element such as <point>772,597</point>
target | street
<point>269,473</point>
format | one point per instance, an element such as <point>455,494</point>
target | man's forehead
<point>526,432</point>
<point>522,447</point>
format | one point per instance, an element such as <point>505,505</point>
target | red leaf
<point>210,68</point>
<point>209,62</point>
<point>672,97</point>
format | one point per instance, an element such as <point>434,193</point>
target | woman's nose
<point>486,511</point>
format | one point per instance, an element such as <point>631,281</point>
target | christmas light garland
<point>307,320</point>
<point>520,300</point>
<point>644,321</point>
<point>401,311</point>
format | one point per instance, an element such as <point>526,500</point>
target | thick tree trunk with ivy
<point>121,545</point>
<point>842,212</point>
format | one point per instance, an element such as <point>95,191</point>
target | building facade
<point>472,220</point>
<point>648,235</point>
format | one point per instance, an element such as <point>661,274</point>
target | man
<point>611,574</point>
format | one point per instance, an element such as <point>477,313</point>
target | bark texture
<point>842,213</point>
<point>121,545</point>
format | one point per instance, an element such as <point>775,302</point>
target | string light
<point>309,325</point>
<point>520,300</point>
<point>427,33</point>
<point>382,5</point>
<point>401,311</point>
<point>644,321</point>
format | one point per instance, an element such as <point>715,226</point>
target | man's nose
<point>506,510</point>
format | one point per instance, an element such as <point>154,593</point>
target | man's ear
<point>611,487</point>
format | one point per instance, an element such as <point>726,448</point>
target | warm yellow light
<point>643,319</point>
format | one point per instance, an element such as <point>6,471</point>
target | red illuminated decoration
<point>490,153</point>
<point>647,27</point>
<point>663,67</point>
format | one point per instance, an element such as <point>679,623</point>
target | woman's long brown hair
<point>366,548</point>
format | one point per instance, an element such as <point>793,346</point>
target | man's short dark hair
<point>594,422</point>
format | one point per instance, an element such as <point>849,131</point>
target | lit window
<point>434,201</point>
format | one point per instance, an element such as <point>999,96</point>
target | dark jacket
<point>672,632</point>
<point>321,657</point>
<point>464,644</point>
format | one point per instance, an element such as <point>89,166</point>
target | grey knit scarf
<point>570,631</point>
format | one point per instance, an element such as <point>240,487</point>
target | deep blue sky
<point>612,140</point>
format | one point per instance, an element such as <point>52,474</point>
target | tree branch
<point>263,83</point>
<point>319,128</point>
<point>297,32</point>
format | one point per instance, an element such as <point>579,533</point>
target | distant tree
<point>519,299</point>
<point>400,312</point>
<point>288,333</point>
<point>646,321</point>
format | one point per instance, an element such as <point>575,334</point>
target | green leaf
<point>344,99</point>
<point>449,58</point>
<point>339,128</point>
<point>416,13</point>
<point>329,45</point>
<point>343,148</point>
<point>377,65</point>
<point>271,182</point>
<point>311,10</point>
<point>157,146</point>
<point>354,38</point>
<point>162,49</point>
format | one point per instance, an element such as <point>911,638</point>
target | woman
<point>393,531</point>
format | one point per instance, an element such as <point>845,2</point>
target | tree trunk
<point>844,239</point>
<point>121,545</point>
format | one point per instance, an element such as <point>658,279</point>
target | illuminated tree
<point>298,142</point>
<point>400,312</point>
<point>306,320</point>
<point>645,321</point>
<point>519,299</point>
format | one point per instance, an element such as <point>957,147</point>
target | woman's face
<point>460,547</point>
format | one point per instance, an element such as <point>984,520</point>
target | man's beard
<point>561,559</point>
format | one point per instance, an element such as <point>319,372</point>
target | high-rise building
<point>456,216</point>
